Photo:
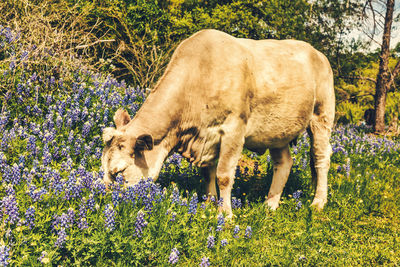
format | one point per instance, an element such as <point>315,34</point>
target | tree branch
<point>94,43</point>
<point>394,73</point>
<point>359,78</point>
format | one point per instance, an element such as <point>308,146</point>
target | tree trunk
<point>383,79</point>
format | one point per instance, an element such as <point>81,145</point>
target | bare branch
<point>359,78</point>
<point>94,43</point>
<point>394,73</point>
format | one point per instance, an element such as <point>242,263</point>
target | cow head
<point>124,153</point>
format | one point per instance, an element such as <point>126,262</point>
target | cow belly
<point>274,130</point>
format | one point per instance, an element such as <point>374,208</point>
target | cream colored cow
<point>220,94</point>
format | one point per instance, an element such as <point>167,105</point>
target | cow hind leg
<point>209,174</point>
<point>320,152</point>
<point>282,163</point>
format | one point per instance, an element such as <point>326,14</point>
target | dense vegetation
<point>135,39</point>
<point>55,210</point>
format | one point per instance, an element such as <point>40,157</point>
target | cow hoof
<point>318,204</point>
<point>229,216</point>
<point>272,205</point>
<point>273,202</point>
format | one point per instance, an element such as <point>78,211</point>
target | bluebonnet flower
<point>43,259</point>
<point>248,232</point>
<point>30,217</point>
<point>36,194</point>
<point>174,256</point>
<point>77,147</point>
<point>10,191</point>
<point>12,174</point>
<point>220,202</point>
<point>71,216</point>
<point>297,194</point>
<point>62,221</point>
<point>184,202</point>
<point>298,205</point>
<point>109,217</point>
<point>339,168</point>
<point>82,223</point>
<point>193,204</point>
<point>173,216</point>
<point>90,202</point>
<point>304,163</point>
<point>46,158</point>
<point>139,224</point>
<point>175,196</point>
<point>10,208</point>
<point>236,203</point>
<point>12,64</point>
<point>210,241</point>
<point>99,187</point>
<point>236,231</point>
<point>224,242</point>
<point>59,121</point>
<point>31,145</point>
<point>4,255</point>
<point>205,262</point>
<point>61,238</point>
<point>70,137</point>
<point>69,122</point>
<point>116,197</point>
<point>98,153</point>
<point>220,222</point>
<point>86,129</point>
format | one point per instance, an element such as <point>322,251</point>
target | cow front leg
<point>230,151</point>
<point>209,174</point>
<point>282,162</point>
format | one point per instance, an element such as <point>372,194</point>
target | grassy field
<point>56,211</point>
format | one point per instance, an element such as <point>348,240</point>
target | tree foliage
<point>134,39</point>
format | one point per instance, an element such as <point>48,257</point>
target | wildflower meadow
<point>56,211</point>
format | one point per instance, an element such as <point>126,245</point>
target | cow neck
<point>159,116</point>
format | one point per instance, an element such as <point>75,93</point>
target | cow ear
<point>144,142</point>
<point>108,134</point>
<point>121,118</point>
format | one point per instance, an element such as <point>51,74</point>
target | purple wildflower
<point>205,262</point>
<point>174,256</point>
<point>248,232</point>
<point>297,194</point>
<point>193,204</point>
<point>109,215</point>
<point>10,208</point>
<point>139,224</point>
<point>236,203</point>
<point>41,259</point>
<point>30,217</point>
<point>236,231</point>
<point>210,241</point>
<point>61,238</point>
<point>4,255</point>
<point>220,222</point>
<point>224,242</point>
<point>175,196</point>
